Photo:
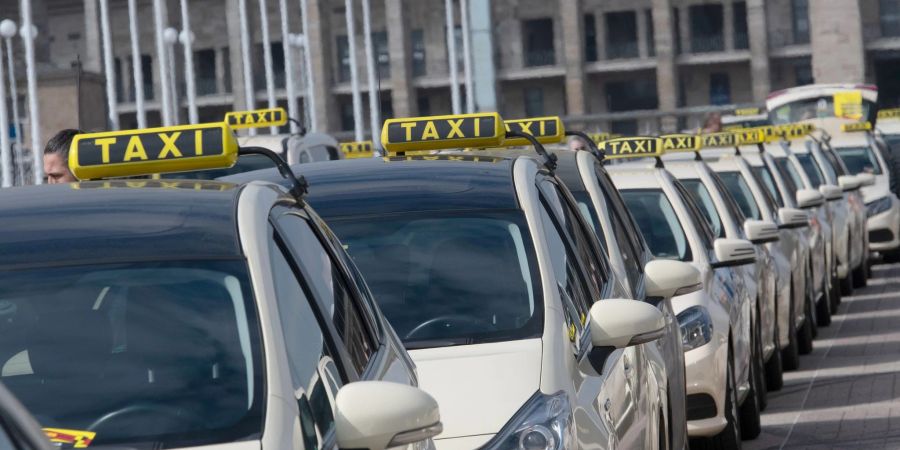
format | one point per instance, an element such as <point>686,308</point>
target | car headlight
<point>878,206</point>
<point>543,423</point>
<point>696,327</point>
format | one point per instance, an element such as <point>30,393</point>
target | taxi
<point>716,318</point>
<point>487,269</point>
<point>887,134</point>
<point>163,313</point>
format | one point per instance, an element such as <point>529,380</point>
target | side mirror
<point>809,198</point>
<point>666,278</point>
<point>760,232</point>
<point>621,323</point>
<point>865,179</point>
<point>375,415</point>
<point>792,218</point>
<point>831,192</point>
<point>849,182</point>
<point>733,252</point>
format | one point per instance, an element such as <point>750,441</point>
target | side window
<point>835,164</point>
<point>627,234</point>
<point>696,217</point>
<point>765,178</point>
<point>330,287</point>
<point>314,372</point>
<point>811,168</point>
<point>701,196</point>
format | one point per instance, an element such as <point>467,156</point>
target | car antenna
<point>548,160</point>
<point>299,185</point>
<point>592,146</point>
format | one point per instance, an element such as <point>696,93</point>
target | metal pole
<point>371,64</point>
<point>451,50</point>
<point>288,65</point>
<point>163,63</point>
<point>173,83</point>
<point>310,101</point>
<point>267,57</point>
<point>188,43</point>
<point>17,125</point>
<point>354,78</point>
<point>6,173</point>
<point>108,68</point>
<point>34,113</point>
<point>467,55</point>
<point>245,59</point>
<point>137,65</point>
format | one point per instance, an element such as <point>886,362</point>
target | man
<point>56,157</point>
<point>577,143</point>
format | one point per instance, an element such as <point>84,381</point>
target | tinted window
<point>859,160</point>
<point>811,169</point>
<point>790,176</point>
<point>740,191</point>
<point>765,178</point>
<point>707,207</point>
<point>589,214</point>
<point>830,173</point>
<point>621,217</point>
<point>447,278</point>
<point>834,163</point>
<point>658,222</point>
<point>696,217</point>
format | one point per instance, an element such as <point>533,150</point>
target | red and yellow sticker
<point>75,438</point>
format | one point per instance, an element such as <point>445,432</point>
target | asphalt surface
<point>846,394</point>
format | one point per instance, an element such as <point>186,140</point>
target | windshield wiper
<point>432,343</point>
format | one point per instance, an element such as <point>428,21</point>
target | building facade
<point>627,66</point>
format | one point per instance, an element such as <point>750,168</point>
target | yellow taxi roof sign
<point>854,127</point>
<point>749,136</point>
<point>360,149</point>
<point>746,111</point>
<point>547,130</point>
<point>718,140</point>
<point>631,147</point>
<point>258,118</point>
<point>443,132</point>
<point>893,113</point>
<point>680,142</point>
<point>152,150</point>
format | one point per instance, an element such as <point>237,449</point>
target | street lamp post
<point>8,31</point>
<point>5,157</point>
<point>245,60</point>
<point>354,76</point>
<point>109,72</point>
<point>451,55</point>
<point>137,67</point>
<point>288,65</point>
<point>28,32</point>
<point>163,63</point>
<point>299,41</point>
<point>267,57</point>
<point>187,40</point>
<point>170,36</point>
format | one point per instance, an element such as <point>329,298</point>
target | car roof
<point>376,186</point>
<point>118,220</point>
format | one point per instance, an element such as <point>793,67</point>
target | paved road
<point>846,394</point>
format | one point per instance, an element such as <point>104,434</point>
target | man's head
<point>577,143</point>
<point>56,157</point>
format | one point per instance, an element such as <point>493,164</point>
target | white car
<point>816,101</point>
<point>716,320</point>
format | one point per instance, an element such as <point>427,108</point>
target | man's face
<point>57,170</point>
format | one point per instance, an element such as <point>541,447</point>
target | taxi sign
<point>631,147</point>
<point>749,136</point>
<point>152,150</point>
<point>547,130</point>
<point>858,126</point>
<point>443,132</point>
<point>747,112</point>
<point>355,150</point>
<point>599,137</point>
<point>893,113</point>
<point>848,104</point>
<point>259,118</point>
<point>720,139</point>
<point>680,143</point>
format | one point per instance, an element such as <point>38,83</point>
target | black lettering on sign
<point>427,130</point>
<point>631,147</point>
<point>356,147</point>
<point>747,137</point>
<point>140,147</point>
<point>723,139</point>
<point>679,142</point>
<point>536,127</point>
<point>259,118</point>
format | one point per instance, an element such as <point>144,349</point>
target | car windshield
<point>701,196</point>
<point>144,355</point>
<point>812,170</point>
<point>658,223</point>
<point>762,174</point>
<point>809,108</point>
<point>245,163</point>
<point>741,193</point>
<point>446,279</point>
<point>859,160</point>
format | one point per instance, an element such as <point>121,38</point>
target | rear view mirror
<point>760,232</point>
<point>792,218</point>
<point>376,415</point>
<point>621,323</point>
<point>831,192</point>
<point>865,179</point>
<point>849,182</point>
<point>809,198</point>
<point>733,252</point>
<point>666,278</point>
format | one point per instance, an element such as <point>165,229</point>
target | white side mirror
<point>865,179</point>
<point>666,278</point>
<point>760,231</point>
<point>621,323</point>
<point>809,198</point>
<point>376,415</point>
<point>733,252</point>
<point>831,192</point>
<point>849,182</point>
<point>793,218</point>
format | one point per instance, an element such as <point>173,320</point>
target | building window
<point>226,68</point>
<point>707,28</point>
<point>534,102</point>
<point>800,20</point>
<point>278,64</point>
<point>382,54</point>
<point>741,37</point>
<point>676,24</point>
<point>889,14</point>
<point>205,71</point>
<point>621,35</point>
<point>259,77</point>
<point>120,80</point>
<point>590,38</point>
<point>419,67</point>
<point>719,89</point>
<point>627,127</point>
<point>386,105</point>
<point>423,104</point>
<point>538,40</point>
<point>631,95</point>
<point>347,122</point>
<point>343,56</point>
<point>803,74</point>
<point>147,72</point>
<point>651,33</point>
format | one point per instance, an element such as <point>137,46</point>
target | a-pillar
<point>573,55</point>
<point>402,92</point>
<point>759,49</point>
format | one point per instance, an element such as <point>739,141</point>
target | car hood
<point>479,387</point>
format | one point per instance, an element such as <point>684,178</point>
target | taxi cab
<point>717,319</point>
<point>499,290</point>
<point>159,313</point>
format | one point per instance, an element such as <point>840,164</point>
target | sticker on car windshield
<point>64,438</point>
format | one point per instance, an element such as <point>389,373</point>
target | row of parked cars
<point>482,287</point>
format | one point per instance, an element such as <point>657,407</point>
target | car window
<point>740,191</point>
<point>834,164</point>
<point>696,217</point>
<point>811,169</point>
<point>329,286</point>
<point>765,178</point>
<point>789,175</point>
<point>314,371</point>
<point>704,200</point>
<point>614,200</point>
<point>586,208</point>
<point>658,222</point>
<point>859,160</point>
